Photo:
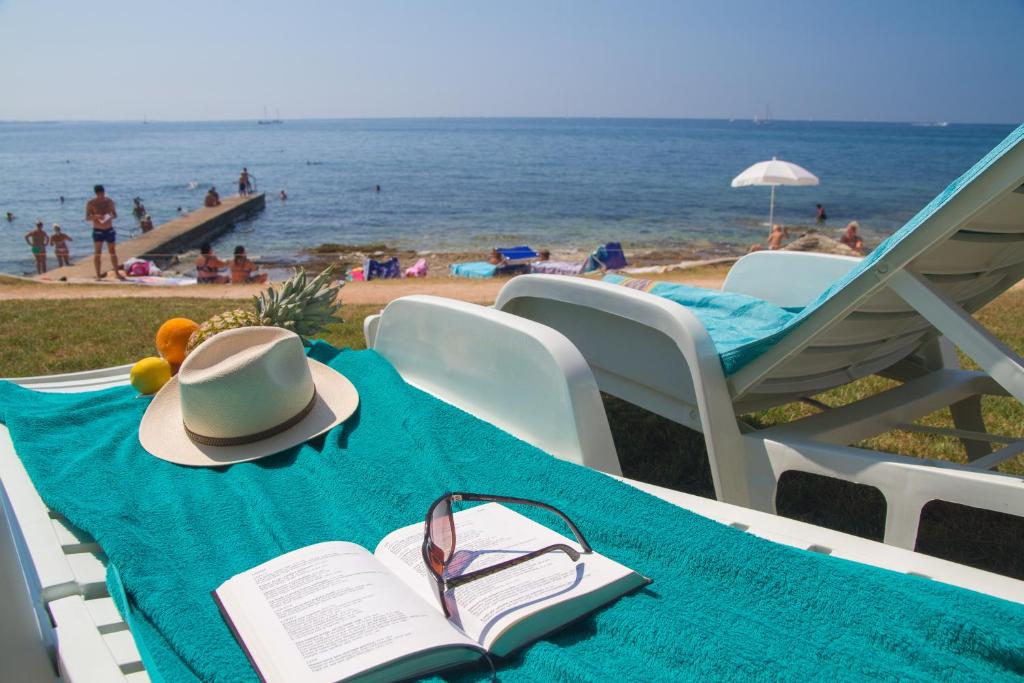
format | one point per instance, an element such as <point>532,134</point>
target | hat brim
<point>162,430</point>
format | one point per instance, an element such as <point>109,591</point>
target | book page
<point>489,606</point>
<point>328,612</point>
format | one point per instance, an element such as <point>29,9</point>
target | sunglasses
<point>439,542</point>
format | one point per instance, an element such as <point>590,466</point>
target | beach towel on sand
<point>723,605</point>
<point>473,269</point>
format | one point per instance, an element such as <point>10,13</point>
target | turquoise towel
<point>476,269</point>
<point>736,323</point>
<point>722,312</point>
<point>724,605</point>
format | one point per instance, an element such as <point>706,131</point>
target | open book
<point>332,611</point>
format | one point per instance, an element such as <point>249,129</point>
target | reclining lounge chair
<point>515,260</point>
<point>744,350</point>
<point>56,610</point>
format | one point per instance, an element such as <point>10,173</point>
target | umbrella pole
<point>771,211</point>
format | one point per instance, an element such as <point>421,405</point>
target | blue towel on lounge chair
<point>735,322</point>
<point>474,269</point>
<point>723,313</point>
<point>723,605</point>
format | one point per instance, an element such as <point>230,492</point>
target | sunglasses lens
<point>442,534</point>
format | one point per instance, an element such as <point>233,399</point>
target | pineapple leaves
<point>303,305</point>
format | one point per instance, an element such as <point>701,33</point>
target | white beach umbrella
<point>775,172</point>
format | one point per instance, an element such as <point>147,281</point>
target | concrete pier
<point>171,238</point>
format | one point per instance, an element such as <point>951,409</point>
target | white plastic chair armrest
<point>791,279</point>
<point>370,324</point>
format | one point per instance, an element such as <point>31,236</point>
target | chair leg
<point>967,416</point>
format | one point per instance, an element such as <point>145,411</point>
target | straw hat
<point>241,395</point>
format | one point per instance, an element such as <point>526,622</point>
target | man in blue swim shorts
<point>101,212</point>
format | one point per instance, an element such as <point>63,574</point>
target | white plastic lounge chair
<point>883,314</point>
<point>56,614</point>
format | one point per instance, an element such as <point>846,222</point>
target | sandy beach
<point>357,293</point>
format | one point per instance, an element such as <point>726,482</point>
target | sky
<point>870,60</point>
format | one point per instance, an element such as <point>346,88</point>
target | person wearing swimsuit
<point>60,240</point>
<point>243,271</point>
<point>38,239</point>
<point>101,212</point>
<point>208,267</point>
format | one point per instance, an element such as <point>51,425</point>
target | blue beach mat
<point>722,312</point>
<point>723,605</point>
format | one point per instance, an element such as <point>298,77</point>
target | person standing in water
<point>101,212</point>
<point>60,240</point>
<point>821,216</point>
<point>38,239</point>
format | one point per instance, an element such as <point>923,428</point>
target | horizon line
<point>147,120</point>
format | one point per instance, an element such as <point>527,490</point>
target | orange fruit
<point>172,337</point>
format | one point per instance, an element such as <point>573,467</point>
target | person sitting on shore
<point>146,223</point>
<point>775,238</point>
<point>38,239</point>
<point>496,258</point>
<point>851,239</point>
<point>212,198</point>
<point>60,240</point>
<point>243,271</point>
<point>208,267</point>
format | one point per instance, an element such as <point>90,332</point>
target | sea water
<point>470,184</point>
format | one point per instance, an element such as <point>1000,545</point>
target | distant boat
<point>265,121</point>
<point>758,121</point>
<point>935,124</point>
<point>144,120</point>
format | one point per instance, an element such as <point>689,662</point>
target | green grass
<point>43,337</point>
<point>1004,317</point>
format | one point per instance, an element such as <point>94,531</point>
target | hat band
<point>250,438</point>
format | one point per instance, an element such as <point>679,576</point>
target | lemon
<point>149,374</point>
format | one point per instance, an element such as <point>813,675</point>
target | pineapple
<point>302,305</point>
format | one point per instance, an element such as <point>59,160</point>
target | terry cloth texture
<point>736,323</point>
<point>477,269</point>
<point>723,605</point>
<point>737,354</point>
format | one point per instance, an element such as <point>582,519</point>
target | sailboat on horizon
<point>267,121</point>
<point>758,121</point>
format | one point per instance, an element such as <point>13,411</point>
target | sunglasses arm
<point>525,501</point>
<point>455,581</point>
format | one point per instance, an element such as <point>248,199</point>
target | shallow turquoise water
<point>474,183</point>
